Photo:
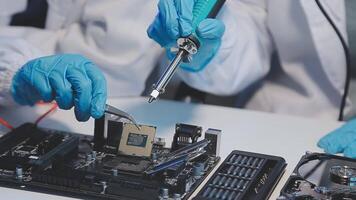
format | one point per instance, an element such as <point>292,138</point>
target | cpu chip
<point>137,142</point>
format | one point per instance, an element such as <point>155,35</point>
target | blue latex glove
<point>71,80</point>
<point>341,140</point>
<point>174,20</point>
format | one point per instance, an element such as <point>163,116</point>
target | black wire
<point>347,57</point>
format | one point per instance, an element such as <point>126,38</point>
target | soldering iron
<point>188,46</point>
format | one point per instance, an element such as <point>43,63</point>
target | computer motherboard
<point>121,161</point>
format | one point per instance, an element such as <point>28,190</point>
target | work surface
<point>286,136</point>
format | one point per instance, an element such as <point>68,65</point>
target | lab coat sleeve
<point>18,45</point>
<point>244,55</point>
<point>14,52</point>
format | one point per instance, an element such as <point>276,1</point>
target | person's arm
<point>245,51</point>
<point>26,77</point>
<point>18,45</point>
<point>69,79</point>
<point>14,52</point>
<point>111,33</point>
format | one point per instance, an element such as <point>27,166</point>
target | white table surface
<point>280,135</point>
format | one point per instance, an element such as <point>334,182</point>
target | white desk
<point>279,135</point>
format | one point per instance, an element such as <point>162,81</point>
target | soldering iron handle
<point>217,7</point>
<point>206,9</point>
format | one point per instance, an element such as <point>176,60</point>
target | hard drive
<point>323,177</point>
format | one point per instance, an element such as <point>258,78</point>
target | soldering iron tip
<point>151,99</point>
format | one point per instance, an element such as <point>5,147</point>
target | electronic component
<point>185,134</point>
<point>107,133</point>
<point>108,129</point>
<point>321,176</point>
<point>198,169</point>
<point>214,136</point>
<point>344,175</point>
<point>121,161</point>
<point>179,156</point>
<point>137,142</point>
<point>159,142</point>
<point>111,135</point>
<point>36,148</point>
<point>128,164</point>
<point>244,175</point>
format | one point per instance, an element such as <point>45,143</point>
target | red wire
<point>38,120</point>
<point>6,124</point>
<point>52,109</point>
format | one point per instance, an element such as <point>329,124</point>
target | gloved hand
<point>174,20</point>
<point>68,78</point>
<point>341,140</point>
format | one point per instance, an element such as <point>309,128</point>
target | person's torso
<point>306,82</point>
<point>9,8</point>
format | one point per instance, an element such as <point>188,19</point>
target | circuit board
<point>119,162</point>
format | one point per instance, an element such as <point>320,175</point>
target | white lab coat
<point>309,83</point>
<point>311,79</point>
<point>112,33</point>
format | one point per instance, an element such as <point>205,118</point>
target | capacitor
<point>198,169</point>
<point>104,186</point>
<point>154,156</point>
<point>114,172</point>
<point>19,173</point>
<point>89,157</point>
<point>93,155</point>
<point>177,196</point>
<point>164,193</point>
